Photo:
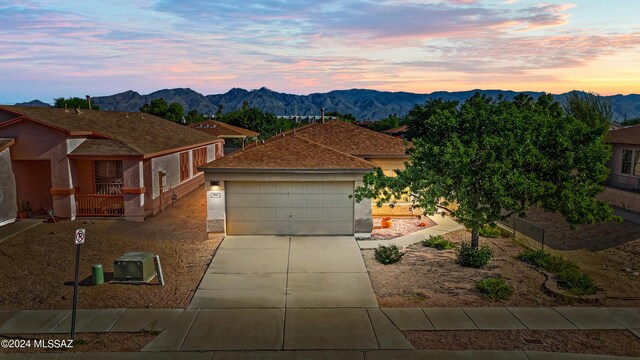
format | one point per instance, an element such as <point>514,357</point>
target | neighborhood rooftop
<point>125,131</point>
<point>626,135</point>
<point>221,129</point>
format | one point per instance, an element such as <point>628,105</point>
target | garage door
<point>289,208</point>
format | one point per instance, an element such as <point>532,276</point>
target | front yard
<point>37,266</point>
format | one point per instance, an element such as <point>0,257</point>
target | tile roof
<point>143,136</point>
<point>291,152</point>
<point>352,139</point>
<point>627,135</point>
<point>222,130</point>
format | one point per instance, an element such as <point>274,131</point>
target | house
<point>623,185</point>
<point>400,131</point>
<point>100,163</point>
<point>299,182</point>
<point>8,205</point>
<point>234,137</point>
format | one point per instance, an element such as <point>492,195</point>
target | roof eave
<point>171,151</point>
<point>291,171</point>
<point>374,156</point>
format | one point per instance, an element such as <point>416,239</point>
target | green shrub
<point>438,242</point>
<point>569,275</point>
<point>388,254</point>
<point>495,288</point>
<point>493,231</point>
<point>475,258</point>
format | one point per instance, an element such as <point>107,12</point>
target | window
<point>199,158</point>
<point>631,163</point>
<point>108,177</point>
<point>184,166</point>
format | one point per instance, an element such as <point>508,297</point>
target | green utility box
<point>134,267</point>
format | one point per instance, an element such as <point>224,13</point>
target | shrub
<point>475,258</point>
<point>438,242</point>
<point>388,254</point>
<point>495,288</point>
<point>493,231</point>
<point>569,275</point>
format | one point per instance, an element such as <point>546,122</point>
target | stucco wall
<point>8,196</point>
<point>133,178</point>
<point>617,178</point>
<point>169,163</point>
<point>620,198</point>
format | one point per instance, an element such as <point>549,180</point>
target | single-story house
<point>234,137</point>
<point>299,182</point>
<point>623,185</point>
<point>400,131</point>
<point>99,163</point>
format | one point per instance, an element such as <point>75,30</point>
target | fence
<point>529,229</point>
<point>99,205</point>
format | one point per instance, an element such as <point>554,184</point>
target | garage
<point>289,208</point>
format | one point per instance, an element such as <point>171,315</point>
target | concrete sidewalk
<point>443,225</point>
<point>15,228</point>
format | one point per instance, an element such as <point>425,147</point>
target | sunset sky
<point>73,48</point>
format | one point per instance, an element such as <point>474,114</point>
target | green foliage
<point>74,103</point>
<point>474,257</point>
<point>193,116</point>
<point>342,117</point>
<point>160,107</point>
<point>590,108</point>
<point>254,119</point>
<point>438,242</point>
<point>393,121</point>
<point>388,254</point>
<point>495,288</point>
<point>492,231</point>
<point>496,157</point>
<point>569,275</point>
<point>631,122</point>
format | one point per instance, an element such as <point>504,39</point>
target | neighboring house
<point>234,137</point>
<point>8,205</point>
<point>400,131</point>
<point>299,182</point>
<point>623,186</point>
<point>101,163</point>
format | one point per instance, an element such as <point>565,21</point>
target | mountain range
<point>363,104</point>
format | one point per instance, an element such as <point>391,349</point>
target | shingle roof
<point>627,135</point>
<point>143,136</point>
<point>103,147</point>
<point>399,129</point>
<point>352,139</point>
<point>222,130</point>
<point>291,152</point>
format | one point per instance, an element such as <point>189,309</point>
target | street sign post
<point>79,239</point>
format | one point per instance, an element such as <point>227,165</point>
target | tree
<point>523,101</point>
<point>193,116</point>
<point>220,109</point>
<point>590,108</point>
<point>485,160</point>
<point>342,117</point>
<point>160,108</point>
<point>391,122</point>
<point>73,103</point>
<point>254,119</point>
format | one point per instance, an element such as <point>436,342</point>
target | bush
<point>438,242</point>
<point>388,254</point>
<point>475,258</point>
<point>495,288</point>
<point>569,275</point>
<point>493,231</point>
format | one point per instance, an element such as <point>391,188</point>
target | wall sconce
<point>214,183</point>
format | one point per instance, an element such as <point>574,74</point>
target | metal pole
<point>75,294</point>
<point>159,270</point>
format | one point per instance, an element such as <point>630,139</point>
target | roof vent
<point>65,108</point>
<point>126,114</point>
<point>78,111</point>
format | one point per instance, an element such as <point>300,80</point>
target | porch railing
<point>99,205</point>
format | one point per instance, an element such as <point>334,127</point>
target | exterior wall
<point>363,219</point>
<point>38,142</point>
<point>616,178</point>
<point>624,199</point>
<point>85,177</point>
<point>216,209</point>
<point>8,195</point>
<point>133,180</point>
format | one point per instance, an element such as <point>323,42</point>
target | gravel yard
<point>37,266</point>
<point>400,227</point>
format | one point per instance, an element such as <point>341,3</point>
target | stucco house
<point>299,182</point>
<point>99,163</point>
<point>234,137</point>
<point>623,185</point>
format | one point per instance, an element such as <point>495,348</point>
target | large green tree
<point>254,119</point>
<point>160,108</point>
<point>74,103</point>
<point>486,159</point>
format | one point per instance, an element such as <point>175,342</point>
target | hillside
<point>364,104</point>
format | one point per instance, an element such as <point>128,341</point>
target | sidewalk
<point>443,225</point>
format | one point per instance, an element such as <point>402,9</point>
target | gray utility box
<point>134,267</point>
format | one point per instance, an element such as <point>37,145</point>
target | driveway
<point>256,272</point>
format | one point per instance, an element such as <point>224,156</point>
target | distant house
<point>234,137</point>
<point>624,180</point>
<point>299,182</point>
<point>99,163</point>
<point>400,131</point>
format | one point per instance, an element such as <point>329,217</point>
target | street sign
<point>80,236</point>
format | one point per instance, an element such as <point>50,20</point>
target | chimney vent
<point>322,114</point>
<point>78,111</point>
<point>89,101</point>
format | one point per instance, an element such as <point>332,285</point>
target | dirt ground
<point>399,227</point>
<point>599,342</point>
<point>37,266</point>
<point>85,342</point>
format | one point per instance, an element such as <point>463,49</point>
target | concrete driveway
<point>254,272</point>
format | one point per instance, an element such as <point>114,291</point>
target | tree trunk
<point>475,235</point>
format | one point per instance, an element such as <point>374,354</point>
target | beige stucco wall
<point>615,164</point>
<point>401,209</point>
<point>620,198</point>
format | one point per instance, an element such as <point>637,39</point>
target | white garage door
<point>289,208</point>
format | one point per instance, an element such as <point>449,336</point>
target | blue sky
<point>65,48</point>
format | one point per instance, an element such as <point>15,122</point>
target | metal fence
<point>524,227</point>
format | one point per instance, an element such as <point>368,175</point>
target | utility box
<point>134,267</point>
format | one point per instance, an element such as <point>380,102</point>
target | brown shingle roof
<point>103,147</point>
<point>290,152</point>
<point>399,129</point>
<point>352,139</point>
<point>222,130</point>
<point>627,135</point>
<point>144,136</point>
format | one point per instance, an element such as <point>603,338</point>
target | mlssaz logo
<point>54,344</point>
